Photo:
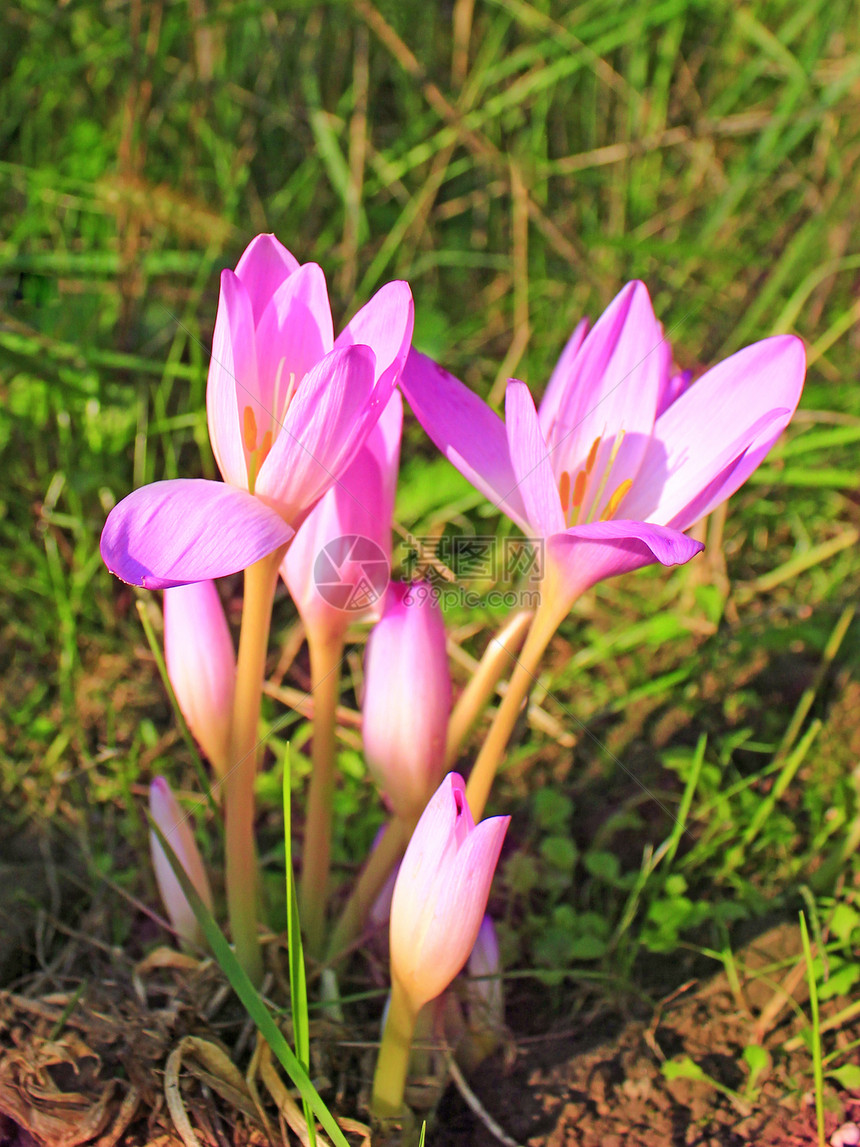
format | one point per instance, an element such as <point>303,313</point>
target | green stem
<point>260,581</point>
<point>368,886</point>
<point>546,621</point>
<point>389,1080</point>
<point>326,653</point>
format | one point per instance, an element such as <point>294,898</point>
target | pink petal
<point>175,826</point>
<point>530,460</point>
<point>263,267</point>
<point>329,578</point>
<point>385,325</point>
<point>461,891</point>
<point>723,425</point>
<point>325,427</point>
<point>294,332</point>
<point>555,388</point>
<point>584,555</point>
<point>613,384</point>
<point>467,432</point>
<point>188,529</point>
<point>233,378</point>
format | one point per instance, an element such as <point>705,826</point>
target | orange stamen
<point>564,489</point>
<point>579,488</point>
<point>592,455</point>
<point>249,430</point>
<point>616,500</point>
<point>265,446</point>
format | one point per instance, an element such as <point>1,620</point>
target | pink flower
<point>407,698</point>
<point>176,829</point>
<point>338,564</point>
<point>441,893</point>
<point>201,664</point>
<point>289,408</point>
<point>621,458</point>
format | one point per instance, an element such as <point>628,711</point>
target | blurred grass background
<point>517,162</point>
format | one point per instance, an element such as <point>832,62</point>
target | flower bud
<point>441,893</point>
<point>176,829</point>
<point>201,665</point>
<point>407,698</point>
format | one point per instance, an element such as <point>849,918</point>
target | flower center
<point>581,497</point>
<point>257,454</point>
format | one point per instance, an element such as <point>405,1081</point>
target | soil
<point>143,1054</point>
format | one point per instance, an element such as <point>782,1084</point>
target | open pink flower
<point>623,455</point>
<point>288,406</point>
<point>441,892</point>
<point>338,564</point>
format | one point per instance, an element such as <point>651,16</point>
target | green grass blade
<point>817,1063</point>
<point>250,998</point>
<point>298,983</point>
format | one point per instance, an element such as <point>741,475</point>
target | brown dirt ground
<point>143,1057</point>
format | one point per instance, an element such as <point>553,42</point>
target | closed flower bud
<point>407,698</point>
<point>174,825</point>
<point>201,665</point>
<point>441,893</point>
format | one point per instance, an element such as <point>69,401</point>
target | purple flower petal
<point>733,414</point>
<point>233,378</point>
<point>263,267</point>
<point>557,385</point>
<point>385,324</point>
<point>325,427</point>
<point>613,385</point>
<point>188,529</point>
<point>530,460</point>
<point>584,555</point>
<point>294,332</point>
<point>467,432</point>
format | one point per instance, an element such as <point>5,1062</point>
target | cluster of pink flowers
<point>622,456</point>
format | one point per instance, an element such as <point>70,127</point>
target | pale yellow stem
<point>546,621</point>
<point>260,581</point>
<point>389,1080</point>
<point>497,657</point>
<point>325,655</point>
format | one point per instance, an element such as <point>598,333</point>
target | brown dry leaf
<point>285,1103</point>
<point>167,958</point>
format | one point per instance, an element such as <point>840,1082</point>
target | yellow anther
<point>249,430</point>
<point>265,446</point>
<point>616,500</point>
<point>564,489</point>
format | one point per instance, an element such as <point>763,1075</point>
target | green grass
<point>516,172</point>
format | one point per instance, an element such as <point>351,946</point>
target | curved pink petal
<point>732,414</point>
<point>530,460</point>
<point>383,442</point>
<point>555,388</point>
<point>384,324</point>
<point>467,432</point>
<point>264,265</point>
<point>584,555</point>
<point>233,379</point>
<point>613,385</point>
<point>188,529</point>
<point>463,889</point>
<point>325,427</point>
<point>294,332</point>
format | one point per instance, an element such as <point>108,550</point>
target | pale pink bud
<point>201,664</point>
<point>176,829</point>
<point>407,698</point>
<point>441,892</point>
